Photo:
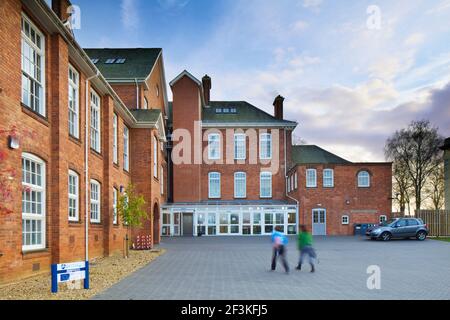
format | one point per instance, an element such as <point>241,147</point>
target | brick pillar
<point>58,116</point>
<point>107,197</point>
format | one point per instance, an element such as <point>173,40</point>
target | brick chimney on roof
<point>60,8</point>
<point>278,106</point>
<point>206,80</point>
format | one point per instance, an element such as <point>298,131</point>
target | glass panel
<point>224,218</point>
<point>211,218</point>
<point>291,217</point>
<point>268,218</point>
<point>256,229</point>
<point>256,218</point>
<point>234,229</point>
<point>279,218</point>
<point>291,229</point>
<point>212,230</point>
<point>246,230</point>
<point>268,229</point>
<point>223,229</point>
<point>246,218</point>
<point>235,218</point>
<point>200,218</point>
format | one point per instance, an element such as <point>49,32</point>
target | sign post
<point>66,272</point>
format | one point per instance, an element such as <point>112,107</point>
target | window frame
<point>115,139</point>
<point>368,179</point>
<point>210,146</point>
<point>345,223</point>
<point>95,201</point>
<point>308,185</point>
<point>380,220</point>
<point>240,151</point>
<point>155,157</point>
<point>95,140</point>
<point>36,188</point>
<point>210,179</point>
<point>331,185</point>
<point>243,177</point>
<point>115,201</point>
<point>265,175</point>
<point>268,155</point>
<point>76,109</point>
<point>126,149</point>
<point>41,53</point>
<point>75,197</point>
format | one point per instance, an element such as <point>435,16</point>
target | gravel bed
<point>104,272</point>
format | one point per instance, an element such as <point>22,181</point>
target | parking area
<point>238,268</point>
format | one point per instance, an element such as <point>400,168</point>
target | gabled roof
<point>245,114</point>
<point>138,64</point>
<point>187,74</point>
<point>311,154</point>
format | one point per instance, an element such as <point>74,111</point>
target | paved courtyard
<point>238,268</point>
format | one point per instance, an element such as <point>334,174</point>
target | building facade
<point>446,149</point>
<point>71,142</point>
<point>235,172</point>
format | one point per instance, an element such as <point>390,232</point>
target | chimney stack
<point>278,106</point>
<point>206,80</point>
<point>60,8</point>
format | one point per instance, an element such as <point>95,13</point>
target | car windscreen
<point>387,223</point>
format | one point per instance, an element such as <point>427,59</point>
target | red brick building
<point>235,172</point>
<point>77,126</point>
<point>73,136</point>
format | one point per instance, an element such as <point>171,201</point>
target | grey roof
<point>146,115</point>
<point>246,113</point>
<point>311,154</point>
<point>138,62</point>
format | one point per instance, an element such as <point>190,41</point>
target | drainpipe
<point>286,177</point>
<point>86,165</point>
<point>137,93</point>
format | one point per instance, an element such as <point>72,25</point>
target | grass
<point>445,239</point>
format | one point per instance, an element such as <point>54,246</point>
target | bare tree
<point>298,141</point>
<point>417,148</point>
<point>402,187</point>
<point>434,189</point>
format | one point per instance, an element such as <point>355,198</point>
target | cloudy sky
<point>351,72</point>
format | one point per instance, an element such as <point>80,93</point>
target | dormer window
<point>120,61</point>
<point>110,61</point>
<point>233,110</point>
<point>219,110</point>
<point>95,60</point>
<point>226,110</point>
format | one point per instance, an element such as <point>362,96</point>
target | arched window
<point>145,103</point>
<point>363,179</point>
<point>33,202</point>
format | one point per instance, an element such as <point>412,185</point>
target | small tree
<point>402,187</point>
<point>130,209</point>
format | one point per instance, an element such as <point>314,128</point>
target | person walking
<point>305,245</point>
<point>279,242</point>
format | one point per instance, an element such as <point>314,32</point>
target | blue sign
<point>66,272</point>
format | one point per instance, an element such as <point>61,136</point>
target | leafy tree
<point>130,209</point>
<point>417,149</point>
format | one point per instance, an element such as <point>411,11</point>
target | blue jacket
<point>277,234</point>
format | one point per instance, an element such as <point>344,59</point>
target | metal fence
<point>438,221</point>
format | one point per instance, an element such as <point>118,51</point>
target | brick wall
<point>365,205</point>
<point>48,138</point>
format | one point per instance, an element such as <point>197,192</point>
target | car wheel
<point>386,236</point>
<point>421,235</point>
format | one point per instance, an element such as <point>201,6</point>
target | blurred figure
<point>279,242</point>
<point>305,245</point>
